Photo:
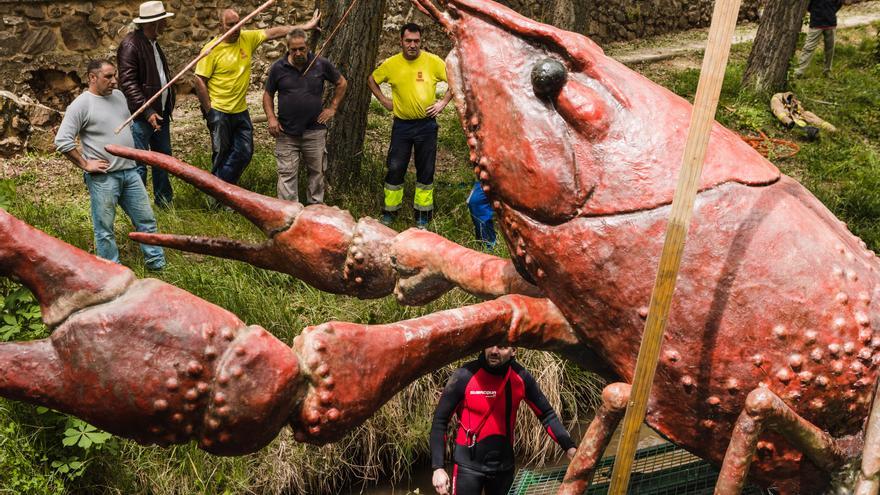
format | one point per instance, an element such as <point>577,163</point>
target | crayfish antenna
<point>64,279</point>
<point>270,215</point>
<point>255,254</point>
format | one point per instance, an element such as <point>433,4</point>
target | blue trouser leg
<point>136,204</point>
<point>399,153</point>
<point>232,139</point>
<point>425,144</point>
<point>242,146</point>
<point>104,191</point>
<point>481,215</point>
<point>146,138</point>
<point>220,126</point>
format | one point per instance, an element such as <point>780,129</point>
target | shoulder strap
<point>474,433</point>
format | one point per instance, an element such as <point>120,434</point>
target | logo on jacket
<point>420,77</point>
<point>487,393</point>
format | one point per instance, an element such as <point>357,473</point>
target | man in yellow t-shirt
<point>221,85</point>
<point>413,75</point>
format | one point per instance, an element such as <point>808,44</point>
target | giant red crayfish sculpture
<point>769,362</point>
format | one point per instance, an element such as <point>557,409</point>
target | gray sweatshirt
<point>94,118</point>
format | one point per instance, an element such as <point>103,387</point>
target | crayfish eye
<point>548,77</point>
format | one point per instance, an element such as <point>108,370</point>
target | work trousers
<point>813,37</point>
<point>125,188</point>
<point>147,138</point>
<point>408,136</point>
<point>310,149</point>
<point>232,143</point>
<point>467,481</point>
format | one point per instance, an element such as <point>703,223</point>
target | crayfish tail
<point>64,279</point>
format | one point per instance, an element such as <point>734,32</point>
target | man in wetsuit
<point>485,394</point>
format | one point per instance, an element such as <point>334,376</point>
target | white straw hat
<point>151,12</point>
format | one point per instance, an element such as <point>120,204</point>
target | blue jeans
<point>125,188</point>
<point>232,143</point>
<point>145,138</point>
<point>482,215</point>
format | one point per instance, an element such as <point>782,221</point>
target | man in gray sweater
<point>111,180</point>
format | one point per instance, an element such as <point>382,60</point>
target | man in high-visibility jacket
<point>413,75</point>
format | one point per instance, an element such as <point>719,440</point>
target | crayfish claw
<point>63,278</point>
<point>271,215</point>
<point>222,248</point>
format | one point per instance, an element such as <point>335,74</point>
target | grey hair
<point>297,33</point>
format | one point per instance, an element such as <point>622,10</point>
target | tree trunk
<point>570,15</point>
<point>353,49</point>
<point>775,43</point>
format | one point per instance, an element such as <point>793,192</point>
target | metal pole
<point>190,65</point>
<point>705,103</point>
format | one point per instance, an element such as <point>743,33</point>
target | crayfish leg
<point>764,410</point>
<point>64,279</point>
<point>342,395</point>
<point>577,478</point>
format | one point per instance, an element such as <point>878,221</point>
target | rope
<point>781,148</point>
<point>332,34</point>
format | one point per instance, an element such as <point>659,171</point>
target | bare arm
<point>200,85</point>
<point>438,106</point>
<point>271,118</point>
<point>377,92</point>
<point>279,31</point>
<point>338,95</point>
<point>93,166</point>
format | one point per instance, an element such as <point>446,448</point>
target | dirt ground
<point>690,44</point>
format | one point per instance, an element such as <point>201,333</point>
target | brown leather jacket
<point>138,75</point>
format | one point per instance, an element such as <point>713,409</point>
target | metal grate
<point>662,470</point>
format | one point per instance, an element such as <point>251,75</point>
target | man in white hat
<point>143,70</point>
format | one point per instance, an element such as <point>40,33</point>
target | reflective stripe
<point>393,198</point>
<point>424,198</point>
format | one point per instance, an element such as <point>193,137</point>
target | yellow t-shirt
<point>413,82</point>
<point>228,71</point>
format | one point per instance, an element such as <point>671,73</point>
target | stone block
<point>13,20</point>
<point>32,12</point>
<point>78,34</point>
<point>41,40</point>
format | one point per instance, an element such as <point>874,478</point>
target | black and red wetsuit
<point>470,392</point>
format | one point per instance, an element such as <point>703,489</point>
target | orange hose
<point>763,144</point>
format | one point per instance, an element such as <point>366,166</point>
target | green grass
<point>841,169</point>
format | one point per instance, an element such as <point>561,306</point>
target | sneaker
<point>386,219</point>
<point>422,223</point>
<point>156,268</point>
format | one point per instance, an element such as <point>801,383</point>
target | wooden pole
<point>702,118</point>
<point>190,65</point>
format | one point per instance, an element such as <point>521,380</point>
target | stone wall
<point>45,45</point>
